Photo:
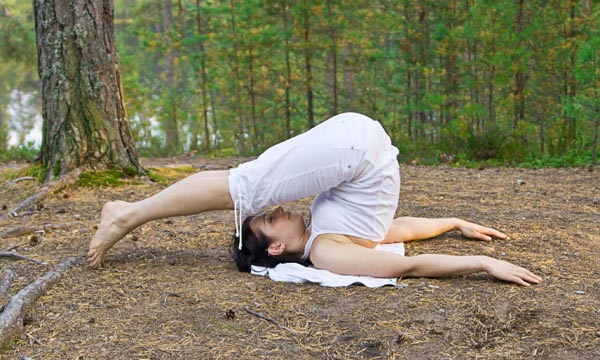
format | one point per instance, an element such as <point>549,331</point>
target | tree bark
<point>85,123</point>
<point>7,278</point>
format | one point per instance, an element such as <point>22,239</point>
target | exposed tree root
<point>11,318</point>
<point>7,278</point>
<point>44,192</point>
<point>28,229</point>
<point>14,255</point>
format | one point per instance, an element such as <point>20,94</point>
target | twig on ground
<point>7,278</point>
<point>11,318</point>
<point>261,316</point>
<point>12,247</point>
<point>44,192</point>
<point>16,256</point>
<point>28,229</point>
<point>12,182</point>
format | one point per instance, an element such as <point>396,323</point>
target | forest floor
<point>170,290</point>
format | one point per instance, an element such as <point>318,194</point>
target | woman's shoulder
<point>324,243</point>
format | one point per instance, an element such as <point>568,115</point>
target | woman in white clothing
<point>350,163</point>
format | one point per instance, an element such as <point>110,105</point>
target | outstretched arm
<point>351,259</point>
<point>412,228</point>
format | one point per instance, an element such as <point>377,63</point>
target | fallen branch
<point>28,229</point>
<point>7,278</point>
<point>12,182</point>
<point>16,256</point>
<point>11,318</point>
<point>261,316</point>
<point>44,192</point>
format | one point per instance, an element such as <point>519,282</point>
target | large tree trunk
<point>85,123</point>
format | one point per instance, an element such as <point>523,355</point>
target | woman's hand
<point>479,232</point>
<point>506,271</point>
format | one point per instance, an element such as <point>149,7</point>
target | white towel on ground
<point>296,273</point>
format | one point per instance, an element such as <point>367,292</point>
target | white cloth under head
<point>296,273</point>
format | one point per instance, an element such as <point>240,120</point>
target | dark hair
<point>254,250</point>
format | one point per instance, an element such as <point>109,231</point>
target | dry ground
<point>166,291</point>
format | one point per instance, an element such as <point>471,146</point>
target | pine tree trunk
<point>308,67</point>
<point>288,75</point>
<point>171,121</point>
<point>332,59</point>
<point>3,132</point>
<point>204,81</point>
<point>85,123</point>
<point>519,89</point>
<point>236,77</point>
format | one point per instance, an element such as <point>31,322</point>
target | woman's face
<point>281,226</point>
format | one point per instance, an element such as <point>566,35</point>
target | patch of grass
<point>22,152</point>
<point>101,178</point>
<point>9,345</point>
<point>165,175</point>
<point>155,176</point>
<point>34,170</point>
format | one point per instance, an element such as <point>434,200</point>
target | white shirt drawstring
<point>238,223</point>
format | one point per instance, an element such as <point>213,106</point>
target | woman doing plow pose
<point>350,163</point>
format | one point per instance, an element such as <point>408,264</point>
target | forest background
<point>509,82</point>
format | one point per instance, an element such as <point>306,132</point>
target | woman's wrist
<point>456,223</point>
<point>485,263</point>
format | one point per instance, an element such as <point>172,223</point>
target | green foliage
<point>21,152</point>
<point>441,76</point>
<point>11,173</point>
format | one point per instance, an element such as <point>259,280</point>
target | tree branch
<point>12,182</point>
<point>261,316</point>
<point>44,192</point>
<point>11,318</point>
<point>16,256</point>
<point>28,229</point>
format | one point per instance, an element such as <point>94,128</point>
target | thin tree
<point>171,121</point>
<point>308,66</point>
<point>203,76</point>
<point>236,77</point>
<point>519,87</point>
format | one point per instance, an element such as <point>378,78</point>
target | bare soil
<point>170,291</point>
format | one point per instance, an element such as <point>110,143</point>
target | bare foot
<point>113,226</point>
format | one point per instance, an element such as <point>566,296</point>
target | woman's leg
<point>195,194</point>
